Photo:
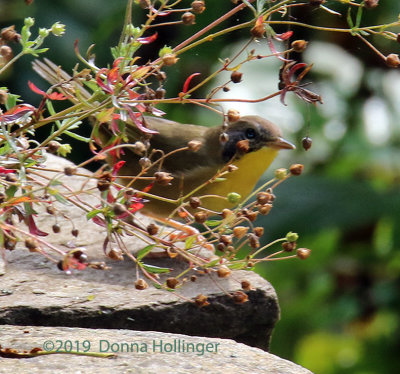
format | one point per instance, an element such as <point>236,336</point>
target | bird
<point>191,169</point>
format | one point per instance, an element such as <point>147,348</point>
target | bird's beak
<point>280,143</point>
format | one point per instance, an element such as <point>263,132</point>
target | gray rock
<point>136,352</point>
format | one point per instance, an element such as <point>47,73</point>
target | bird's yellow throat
<point>242,181</point>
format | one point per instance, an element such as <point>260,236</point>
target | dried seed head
<point>240,231</point>
<point>226,239</point>
<point>195,202</point>
<point>172,282</point>
<point>56,228</point>
<point>163,178</point>
<point>258,231</point>
<point>226,89</point>
<point>169,59</point>
<point>103,185</point>
<point>252,216</point>
<point>243,146</point>
<point>144,162</point>
<point>53,146</point>
<point>188,18</point>
<point>152,229</point>
<point>200,217</point>
<point>9,34</point>
<point>370,4</point>
<point>50,209</point>
<point>296,169</point>
<point>289,246</point>
<point>198,6</point>
<point>258,30</point>
<point>223,271</point>
<point>221,247</point>
<point>264,198</point>
<point>69,170</point>
<point>306,142</point>
<point>392,60</point>
<point>141,284</point>
<point>246,285</point>
<point>139,148</point>
<point>226,213</point>
<point>280,173</point>
<point>299,45</point>
<point>201,300</point>
<point>75,232</point>
<point>236,76</point>
<point>264,209</point>
<point>119,209</point>
<point>253,241</point>
<point>239,297</point>
<point>115,254</point>
<point>32,244</point>
<point>233,115</point>
<point>303,253</point>
<point>195,145</point>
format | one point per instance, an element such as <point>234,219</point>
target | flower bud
<point>43,32</point>
<point>163,178</point>
<point>194,202</point>
<point>53,146</point>
<point>392,60</point>
<point>303,253</point>
<point>280,173</point>
<point>264,209</point>
<point>296,169</point>
<point>265,198</point>
<point>292,236</point>
<point>169,59</point>
<point>258,231</point>
<point>299,45</point>
<point>200,217</point>
<point>289,246</point>
<point>69,170</point>
<point>240,231</point>
<point>234,197</point>
<point>306,142</point>
<point>223,271</point>
<point>139,148</point>
<point>152,229</point>
<point>58,29</point>
<point>140,284</point>
<point>29,22</point>
<point>172,282</point>
<point>254,241</point>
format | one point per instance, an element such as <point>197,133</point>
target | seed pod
<point>264,198</point>
<point>306,143</point>
<point>226,239</point>
<point>198,6</point>
<point>12,178</point>
<point>392,60</point>
<point>236,76</point>
<point>195,145</point>
<point>115,254</point>
<point>246,285</point>
<point>303,253</point>
<point>31,244</point>
<point>195,202</point>
<point>258,231</point>
<point>163,178</point>
<point>233,115</point>
<point>221,247</point>
<point>103,185</point>
<point>69,170</point>
<point>188,18</point>
<point>289,246</point>
<point>193,278</point>
<point>296,169</point>
<point>234,197</point>
<point>172,282</point>
<point>253,241</point>
<point>53,146</point>
<point>240,231</point>
<point>139,148</point>
<point>75,232</point>
<point>223,271</point>
<point>200,217</point>
<point>226,213</point>
<point>239,297</point>
<point>169,59</point>
<point>264,209</point>
<point>152,229</point>
<point>252,216</point>
<point>280,173</point>
<point>141,284</point>
<point>201,300</point>
<point>144,162</point>
<point>299,45</point>
<point>56,228</point>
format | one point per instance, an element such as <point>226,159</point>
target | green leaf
<point>10,191</point>
<point>359,16</point>
<point>213,222</point>
<point>58,196</point>
<point>93,213</point>
<point>349,20</point>
<point>189,242</point>
<point>260,5</point>
<point>55,182</point>
<point>155,269</point>
<point>144,251</point>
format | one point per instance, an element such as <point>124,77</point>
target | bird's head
<point>257,132</point>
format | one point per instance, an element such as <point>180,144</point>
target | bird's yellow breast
<point>242,181</point>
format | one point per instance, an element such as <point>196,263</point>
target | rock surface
<point>207,355</point>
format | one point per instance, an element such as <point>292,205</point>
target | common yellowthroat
<point>190,169</point>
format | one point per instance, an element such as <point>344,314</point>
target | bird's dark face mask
<point>255,135</point>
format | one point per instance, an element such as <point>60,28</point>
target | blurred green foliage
<point>340,308</point>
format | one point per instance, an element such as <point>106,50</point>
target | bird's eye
<point>250,133</point>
